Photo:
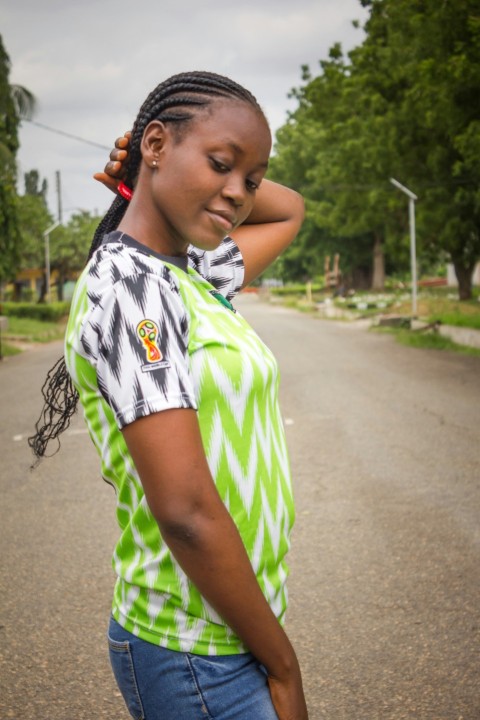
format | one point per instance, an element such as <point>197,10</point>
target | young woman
<point>180,397</point>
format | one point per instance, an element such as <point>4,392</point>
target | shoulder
<point>222,267</point>
<point>115,266</point>
<point>121,286</point>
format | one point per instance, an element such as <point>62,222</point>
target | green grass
<point>32,330</point>
<point>295,289</point>
<point>434,304</point>
<point>9,350</point>
<point>447,310</point>
<point>428,341</point>
<point>459,319</point>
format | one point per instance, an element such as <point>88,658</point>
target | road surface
<point>385,572</point>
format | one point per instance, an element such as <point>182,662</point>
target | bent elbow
<point>179,531</point>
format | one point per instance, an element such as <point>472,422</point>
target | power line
<point>66,134</point>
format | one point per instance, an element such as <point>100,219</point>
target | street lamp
<point>46,238</point>
<point>413,255</point>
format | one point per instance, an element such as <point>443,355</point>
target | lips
<point>223,219</point>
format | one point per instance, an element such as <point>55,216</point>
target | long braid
<point>176,101</point>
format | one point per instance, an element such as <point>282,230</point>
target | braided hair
<point>177,101</point>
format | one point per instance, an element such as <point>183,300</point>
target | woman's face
<point>204,184</point>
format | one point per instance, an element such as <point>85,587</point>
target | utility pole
<point>59,196</point>
<point>413,253</point>
<point>46,239</point>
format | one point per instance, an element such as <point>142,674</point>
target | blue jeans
<point>160,684</point>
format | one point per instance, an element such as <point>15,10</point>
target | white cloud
<point>91,65</point>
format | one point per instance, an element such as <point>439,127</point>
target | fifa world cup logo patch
<point>147,331</point>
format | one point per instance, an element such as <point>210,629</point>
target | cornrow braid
<point>177,101</point>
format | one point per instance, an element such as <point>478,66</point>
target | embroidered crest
<point>147,332</point>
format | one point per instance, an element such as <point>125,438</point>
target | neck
<point>141,224</point>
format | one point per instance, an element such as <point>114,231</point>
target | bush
<point>37,311</point>
<point>298,289</point>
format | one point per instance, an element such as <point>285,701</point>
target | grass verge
<point>9,350</point>
<point>31,330</point>
<point>427,341</point>
<point>433,305</point>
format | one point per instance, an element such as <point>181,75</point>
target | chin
<point>207,244</point>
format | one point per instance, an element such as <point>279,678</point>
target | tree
<point>405,103</point>
<point>24,101</point>
<point>33,186</point>
<point>9,234</point>
<point>70,245</point>
<point>33,219</point>
<point>442,145</point>
<point>432,52</point>
<point>15,102</point>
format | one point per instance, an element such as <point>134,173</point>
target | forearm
<point>209,549</point>
<point>275,203</point>
<point>272,225</point>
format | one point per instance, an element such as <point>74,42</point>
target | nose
<point>235,190</point>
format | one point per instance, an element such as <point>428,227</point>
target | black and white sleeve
<point>142,334</point>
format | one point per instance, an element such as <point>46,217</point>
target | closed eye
<point>219,166</point>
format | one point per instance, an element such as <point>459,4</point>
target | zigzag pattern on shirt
<point>216,363</point>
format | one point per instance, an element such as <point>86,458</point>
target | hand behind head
<point>114,170</point>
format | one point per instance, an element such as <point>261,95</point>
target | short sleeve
<point>140,333</point>
<point>223,268</point>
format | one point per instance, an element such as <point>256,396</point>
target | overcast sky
<point>92,63</point>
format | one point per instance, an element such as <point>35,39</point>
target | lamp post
<point>413,253</point>
<point>46,238</point>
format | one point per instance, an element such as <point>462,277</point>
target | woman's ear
<point>153,142</point>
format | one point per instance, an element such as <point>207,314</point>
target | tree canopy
<point>16,102</point>
<point>33,219</point>
<point>405,103</point>
<point>70,244</point>
<point>9,233</point>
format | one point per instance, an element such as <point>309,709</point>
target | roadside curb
<point>461,335</point>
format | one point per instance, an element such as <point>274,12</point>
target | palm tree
<point>24,102</point>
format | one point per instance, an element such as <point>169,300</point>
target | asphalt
<point>385,574</point>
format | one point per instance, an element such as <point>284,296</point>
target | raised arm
<point>205,541</point>
<point>272,225</point>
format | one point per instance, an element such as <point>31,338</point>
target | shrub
<point>37,311</point>
<point>298,289</point>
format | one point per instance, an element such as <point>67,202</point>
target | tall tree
<point>323,147</point>
<point>15,102</point>
<point>404,103</point>
<point>34,187</point>
<point>33,219</point>
<point>24,101</point>
<point>9,234</point>
<point>432,51</point>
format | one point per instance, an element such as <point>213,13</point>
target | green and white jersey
<point>145,335</point>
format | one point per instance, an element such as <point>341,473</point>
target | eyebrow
<point>236,148</point>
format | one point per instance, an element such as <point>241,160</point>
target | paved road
<point>385,582</point>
